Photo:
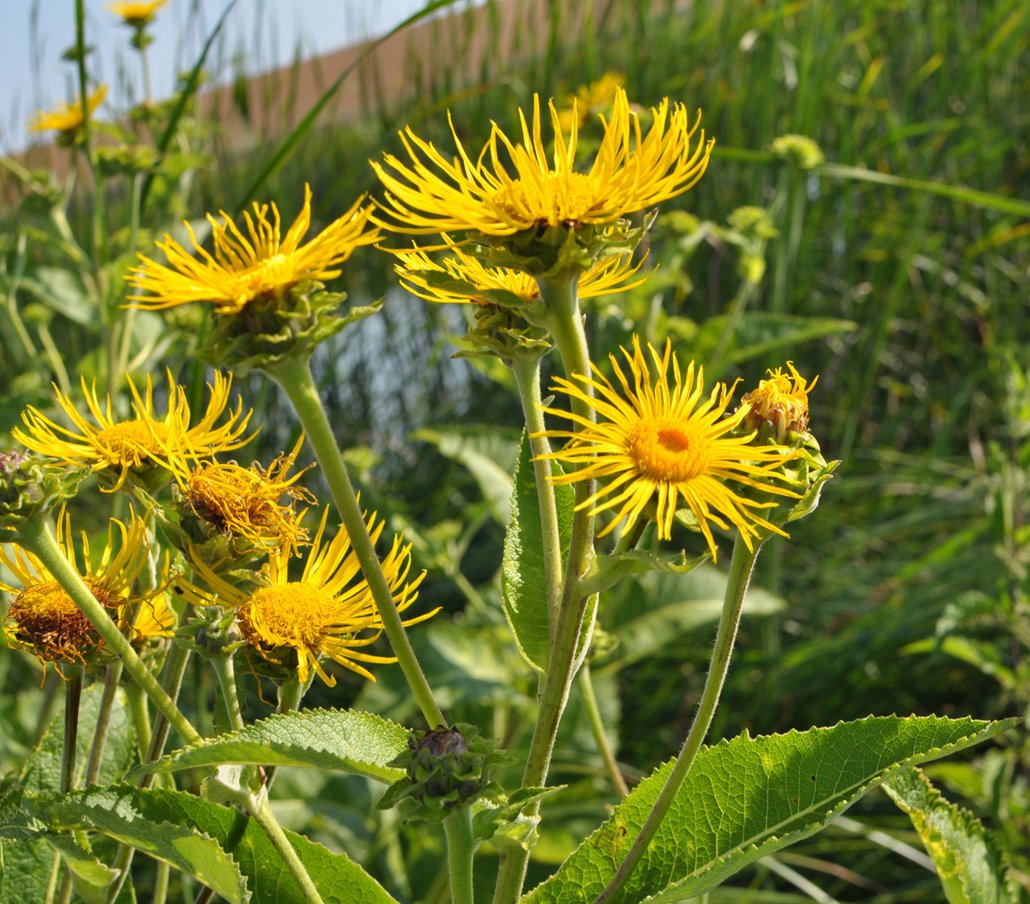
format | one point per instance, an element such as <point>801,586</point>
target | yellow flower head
<point>781,401</point>
<point>118,447</point>
<point>44,619</point>
<point>67,118</point>
<point>590,99</point>
<point>510,187</point>
<point>329,611</point>
<point>258,263</point>
<point>659,443</point>
<point>607,277</point>
<point>136,15</point>
<point>246,503</point>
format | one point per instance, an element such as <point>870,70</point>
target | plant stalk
<point>259,808</point>
<point>565,324</point>
<point>741,566</point>
<point>460,849</point>
<point>107,701</point>
<point>527,378</point>
<point>293,374</point>
<point>35,536</point>
<point>586,690</point>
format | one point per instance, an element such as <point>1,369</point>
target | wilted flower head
<point>43,618</point>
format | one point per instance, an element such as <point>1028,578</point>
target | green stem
<point>96,753</point>
<point>586,689</point>
<point>293,374</point>
<point>527,377</point>
<point>460,849</point>
<point>225,672</point>
<point>565,324</point>
<point>72,698</point>
<point>741,566</point>
<point>140,715</point>
<point>261,811</point>
<point>291,692</point>
<point>35,536</point>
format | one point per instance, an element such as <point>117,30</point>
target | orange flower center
<point>669,451</point>
<point>288,615</point>
<point>132,442</point>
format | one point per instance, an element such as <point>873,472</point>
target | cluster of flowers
<point>649,443</point>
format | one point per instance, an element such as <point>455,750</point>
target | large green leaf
<point>217,844</point>
<point>339,739</point>
<point>523,587</point>
<point>968,861</point>
<point>748,797</point>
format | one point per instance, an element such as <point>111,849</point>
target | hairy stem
<point>293,374</point>
<point>741,566</point>
<point>460,849</point>
<point>586,689</point>
<point>107,701</point>
<point>566,326</point>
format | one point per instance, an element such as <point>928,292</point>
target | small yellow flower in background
<point>328,612</point>
<point>607,277</point>
<point>630,172</point>
<point>246,503</point>
<point>106,444</point>
<point>67,118</point>
<point>44,619</point>
<point>660,443</point>
<point>781,402</point>
<point>136,15</point>
<point>246,266</point>
<point>590,99</point>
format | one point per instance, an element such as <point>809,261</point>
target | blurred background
<point>866,215</point>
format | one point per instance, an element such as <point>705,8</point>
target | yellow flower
<point>630,172</point>
<point>260,263</point>
<point>44,619</point>
<point>610,275</point>
<point>118,447</point>
<point>245,503</point>
<point>67,118</point>
<point>591,99</point>
<point>665,446</point>
<point>781,401</point>
<point>329,611</point>
<point>136,15</point>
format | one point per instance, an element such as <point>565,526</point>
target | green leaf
<point>115,811</point>
<point>606,571</point>
<point>62,291</point>
<point>488,453</point>
<point>969,863</point>
<point>90,877</point>
<point>523,587</point>
<point>220,841</point>
<point>362,743</point>
<point>749,797</point>
<point>25,872</point>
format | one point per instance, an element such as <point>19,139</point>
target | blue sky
<point>262,33</point>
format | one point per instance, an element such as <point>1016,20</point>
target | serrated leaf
<point>969,863</point>
<point>523,587</point>
<point>242,843</point>
<point>489,455</point>
<point>90,877</point>
<point>114,811</point>
<point>749,797</point>
<point>362,743</point>
<point>26,870</point>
